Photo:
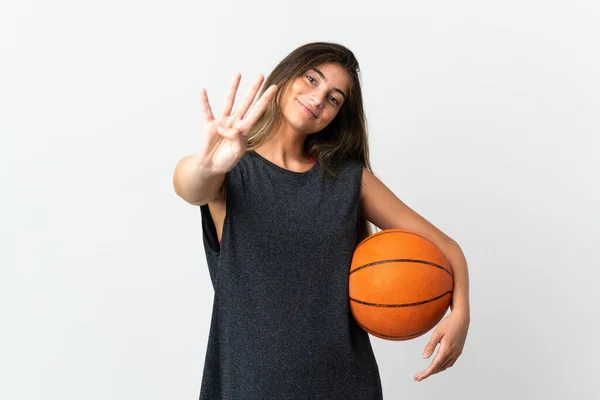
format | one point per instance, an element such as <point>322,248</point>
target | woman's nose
<point>316,99</point>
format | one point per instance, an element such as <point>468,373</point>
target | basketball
<point>400,285</point>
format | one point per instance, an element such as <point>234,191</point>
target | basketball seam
<point>418,303</point>
<point>401,260</point>
<point>395,231</point>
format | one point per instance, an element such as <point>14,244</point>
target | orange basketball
<point>400,285</point>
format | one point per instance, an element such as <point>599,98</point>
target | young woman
<point>286,192</point>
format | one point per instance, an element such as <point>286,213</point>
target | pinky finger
<point>207,113</point>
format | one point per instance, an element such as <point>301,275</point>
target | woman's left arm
<point>384,209</point>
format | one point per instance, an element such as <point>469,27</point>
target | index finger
<point>260,106</point>
<point>241,112</point>
<point>440,358</point>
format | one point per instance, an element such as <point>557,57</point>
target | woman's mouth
<point>306,109</point>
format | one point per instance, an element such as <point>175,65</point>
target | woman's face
<point>314,99</point>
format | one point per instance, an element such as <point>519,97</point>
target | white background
<point>483,117</point>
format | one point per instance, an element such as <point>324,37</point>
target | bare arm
<point>195,183</point>
<point>384,209</point>
<point>199,177</point>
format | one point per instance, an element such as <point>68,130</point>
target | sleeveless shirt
<point>281,326</point>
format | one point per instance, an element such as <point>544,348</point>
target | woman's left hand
<point>451,333</point>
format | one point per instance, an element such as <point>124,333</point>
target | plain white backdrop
<point>483,117</point>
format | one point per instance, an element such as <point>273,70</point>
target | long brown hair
<point>345,136</point>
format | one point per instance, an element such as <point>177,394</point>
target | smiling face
<point>315,97</point>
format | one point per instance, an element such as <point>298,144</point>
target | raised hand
<point>225,137</point>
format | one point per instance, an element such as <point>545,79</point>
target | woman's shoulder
<point>351,165</point>
<point>346,169</point>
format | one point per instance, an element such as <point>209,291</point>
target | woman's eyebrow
<point>318,71</point>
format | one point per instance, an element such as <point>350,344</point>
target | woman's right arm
<point>198,178</point>
<point>196,183</point>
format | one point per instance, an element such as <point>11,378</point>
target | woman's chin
<point>300,125</point>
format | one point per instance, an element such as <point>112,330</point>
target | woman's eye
<point>334,100</point>
<point>310,79</point>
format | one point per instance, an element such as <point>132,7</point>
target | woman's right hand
<point>225,137</point>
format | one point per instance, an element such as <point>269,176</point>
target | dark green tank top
<point>281,326</point>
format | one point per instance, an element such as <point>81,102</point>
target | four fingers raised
<point>239,120</point>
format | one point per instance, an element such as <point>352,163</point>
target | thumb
<point>230,133</point>
<point>433,341</point>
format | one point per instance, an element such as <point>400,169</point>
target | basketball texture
<point>400,284</point>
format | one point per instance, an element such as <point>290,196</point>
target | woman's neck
<point>285,151</point>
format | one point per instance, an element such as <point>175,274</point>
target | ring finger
<point>230,99</point>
